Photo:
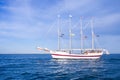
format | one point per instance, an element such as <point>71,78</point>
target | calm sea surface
<point>42,67</point>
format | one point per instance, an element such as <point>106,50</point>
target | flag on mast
<point>85,37</point>
<point>62,35</point>
<point>72,34</point>
<point>96,35</point>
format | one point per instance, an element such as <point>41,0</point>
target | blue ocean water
<point>42,67</point>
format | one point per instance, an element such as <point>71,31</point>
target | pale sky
<point>26,24</point>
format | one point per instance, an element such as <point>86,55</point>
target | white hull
<point>65,55</point>
<point>87,54</point>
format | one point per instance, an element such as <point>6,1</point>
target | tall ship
<point>70,53</point>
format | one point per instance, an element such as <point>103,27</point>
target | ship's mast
<point>59,32</point>
<point>81,33</point>
<point>70,33</point>
<point>92,32</point>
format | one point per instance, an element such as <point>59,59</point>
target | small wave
<point>9,78</point>
<point>25,73</point>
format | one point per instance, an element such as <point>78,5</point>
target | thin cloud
<point>33,19</point>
